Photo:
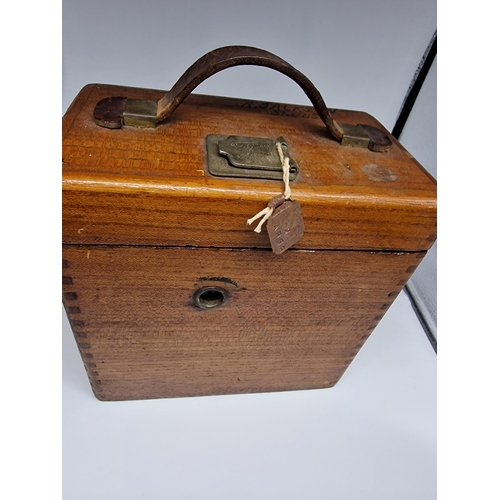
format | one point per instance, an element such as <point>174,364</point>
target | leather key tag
<point>285,226</point>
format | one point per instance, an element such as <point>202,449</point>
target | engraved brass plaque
<point>250,157</point>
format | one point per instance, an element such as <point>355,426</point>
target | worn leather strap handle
<point>226,57</point>
<point>113,112</point>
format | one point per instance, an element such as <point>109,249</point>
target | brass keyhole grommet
<point>210,297</point>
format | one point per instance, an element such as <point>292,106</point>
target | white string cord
<point>265,214</point>
<point>268,211</point>
<point>285,162</point>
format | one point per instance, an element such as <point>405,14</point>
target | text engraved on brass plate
<point>252,157</point>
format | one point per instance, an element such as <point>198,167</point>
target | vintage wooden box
<point>167,289</point>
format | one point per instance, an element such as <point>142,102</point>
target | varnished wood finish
<point>145,226</point>
<point>151,186</point>
<point>293,321</point>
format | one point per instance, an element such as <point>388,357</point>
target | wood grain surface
<point>293,321</point>
<point>145,226</point>
<point>151,186</point>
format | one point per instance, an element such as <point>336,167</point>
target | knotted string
<point>274,202</point>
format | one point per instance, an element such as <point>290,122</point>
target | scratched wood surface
<point>145,226</point>
<point>151,186</point>
<point>290,322</point>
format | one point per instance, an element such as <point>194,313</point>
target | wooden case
<point>146,229</point>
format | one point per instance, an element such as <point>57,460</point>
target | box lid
<point>152,186</point>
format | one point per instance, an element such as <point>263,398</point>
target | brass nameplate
<point>251,157</point>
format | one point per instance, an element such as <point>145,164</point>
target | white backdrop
<point>373,435</point>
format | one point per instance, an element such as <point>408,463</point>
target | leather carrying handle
<point>113,112</point>
<point>226,57</point>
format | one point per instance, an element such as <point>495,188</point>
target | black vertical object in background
<point>422,320</point>
<point>415,86</point>
<point>404,113</point>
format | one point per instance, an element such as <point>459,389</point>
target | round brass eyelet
<point>210,297</point>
